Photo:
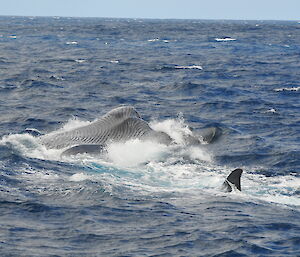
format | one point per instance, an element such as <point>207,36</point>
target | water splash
<point>145,167</point>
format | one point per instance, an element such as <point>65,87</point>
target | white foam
<point>272,110</point>
<point>145,167</point>
<point>80,60</point>
<point>287,89</point>
<point>79,177</point>
<point>57,77</point>
<point>72,43</point>
<point>72,124</point>
<point>30,146</point>
<point>134,152</point>
<point>196,153</point>
<point>198,67</point>
<point>34,130</point>
<point>279,189</point>
<point>225,39</point>
<point>153,40</point>
<point>177,129</point>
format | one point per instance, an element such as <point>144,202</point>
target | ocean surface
<point>144,198</point>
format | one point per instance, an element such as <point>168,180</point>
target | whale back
<point>120,124</point>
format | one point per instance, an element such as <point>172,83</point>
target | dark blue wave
<point>53,69</point>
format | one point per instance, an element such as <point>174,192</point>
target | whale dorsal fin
<point>233,180</point>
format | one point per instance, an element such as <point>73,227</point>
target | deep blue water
<point>149,200</point>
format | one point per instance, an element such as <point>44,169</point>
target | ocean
<point>143,198</point>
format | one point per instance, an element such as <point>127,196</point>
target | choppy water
<point>141,198</point>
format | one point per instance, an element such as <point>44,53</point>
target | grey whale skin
<point>120,124</point>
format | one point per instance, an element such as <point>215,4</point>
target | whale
<point>233,181</point>
<point>118,125</point>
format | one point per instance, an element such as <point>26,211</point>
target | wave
<point>32,83</point>
<point>80,60</point>
<point>178,67</point>
<point>147,168</point>
<point>157,39</point>
<point>225,39</point>
<point>198,67</point>
<point>153,40</point>
<point>71,43</point>
<point>291,89</point>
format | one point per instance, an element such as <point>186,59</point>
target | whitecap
<point>134,152</point>
<point>149,167</point>
<point>80,60</point>
<point>278,189</point>
<point>56,77</point>
<point>176,128</point>
<point>153,40</point>
<point>287,89</point>
<point>272,110</point>
<point>225,39</point>
<point>79,177</point>
<point>196,67</point>
<point>196,153</point>
<point>30,146</point>
<point>71,43</point>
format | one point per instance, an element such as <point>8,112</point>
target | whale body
<point>120,124</point>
